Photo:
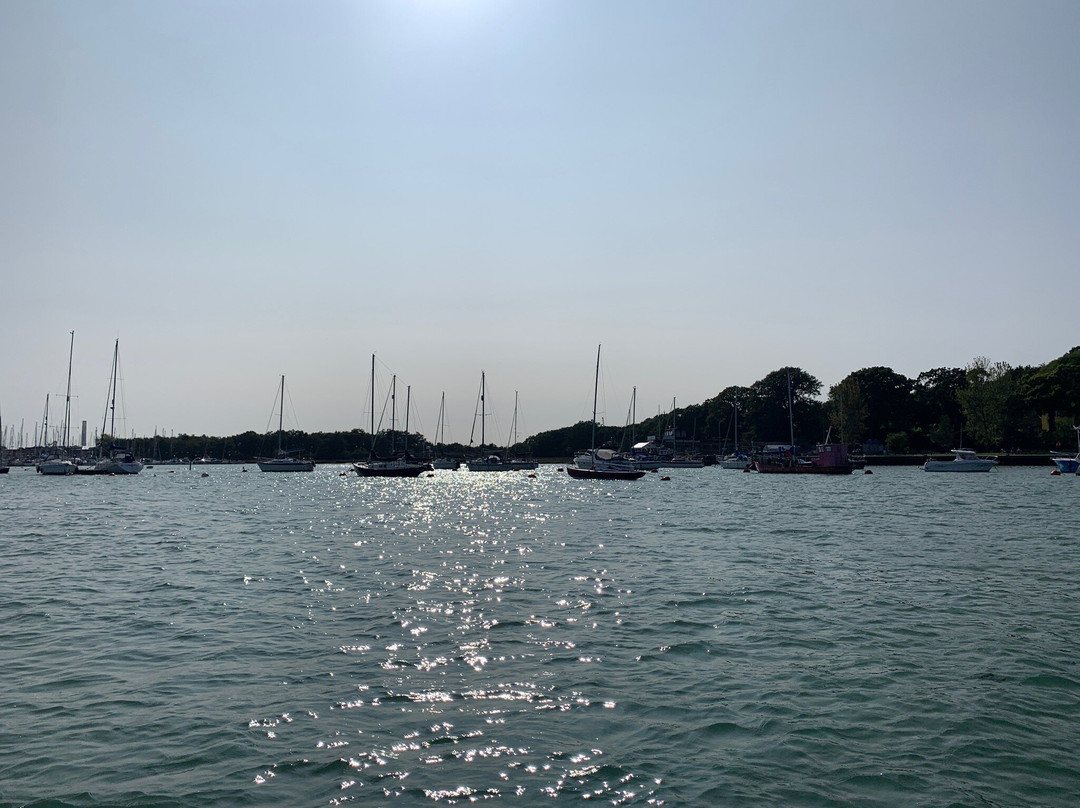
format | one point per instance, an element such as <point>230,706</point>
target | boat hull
<point>288,465</point>
<point>781,468</point>
<point>958,465</point>
<point>1067,465</point>
<point>596,473</point>
<point>391,469</point>
<point>737,463</point>
<point>56,468</point>
<point>486,466</point>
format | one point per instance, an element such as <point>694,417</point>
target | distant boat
<point>3,465</point>
<point>283,461</point>
<point>615,468</point>
<point>832,458</point>
<point>682,461</point>
<point>491,462</point>
<point>400,466</point>
<point>965,460</point>
<point>1070,465</point>
<point>440,461</point>
<point>736,460</point>
<point>61,466</point>
<point>118,460</point>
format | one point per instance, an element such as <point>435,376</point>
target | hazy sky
<point>712,190</point>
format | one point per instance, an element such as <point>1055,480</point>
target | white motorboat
<point>1070,465</point>
<point>965,460</point>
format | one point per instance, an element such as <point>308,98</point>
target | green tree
<point>943,434</point>
<point>985,400</point>
<point>937,401</point>
<point>1054,388</point>
<point>847,411</point>
<point>888,399</point>
<point>767,407</point>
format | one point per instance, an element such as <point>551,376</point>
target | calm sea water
<point>719,639</point>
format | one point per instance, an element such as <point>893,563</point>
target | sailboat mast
<point>408,403</point>
<point>372,452</point>
<point>674,440</point>
<point>791,415</point>
<point>110,402</point>
<point>67,399</point>
<point>483,407</point>
<point>393,413</point>
<point>595,391</point>
<point>115,363</point>
<point>441,426</point>
<point>511,439</point>
<point>281,413</point>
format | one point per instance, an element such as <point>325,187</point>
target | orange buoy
<point>1055,473</point>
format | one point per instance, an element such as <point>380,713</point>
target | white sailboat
<point>491,462</point>
<point>3,465</point>
<point>283,461</point>
<point>61,466</point>
<point>442,462</point>
<point>603,467</point>
<point>119,460</point>
<point>735,460</point>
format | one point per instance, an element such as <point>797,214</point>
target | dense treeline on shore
<point>989,406</point>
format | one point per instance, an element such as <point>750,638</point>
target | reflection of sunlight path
<point>466,651</point>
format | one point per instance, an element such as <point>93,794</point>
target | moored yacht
<point>283,461</point>
<point>1070,465</point>
<point>965,460</point>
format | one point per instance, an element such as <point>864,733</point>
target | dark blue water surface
<point>719,639</point>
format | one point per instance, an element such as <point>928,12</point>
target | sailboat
<point>610,468</point>
<point>735,460</point>
<point>61,466</point>
<point>492,462</point>
<point>403,465</point>
<point>518,463</point>
<point>679,460</point>
<point>3,465</point>
<point>442,462</point>
<point>283,462</point>
<point>832,458</point>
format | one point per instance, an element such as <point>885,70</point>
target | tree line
<point>989,406</point>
